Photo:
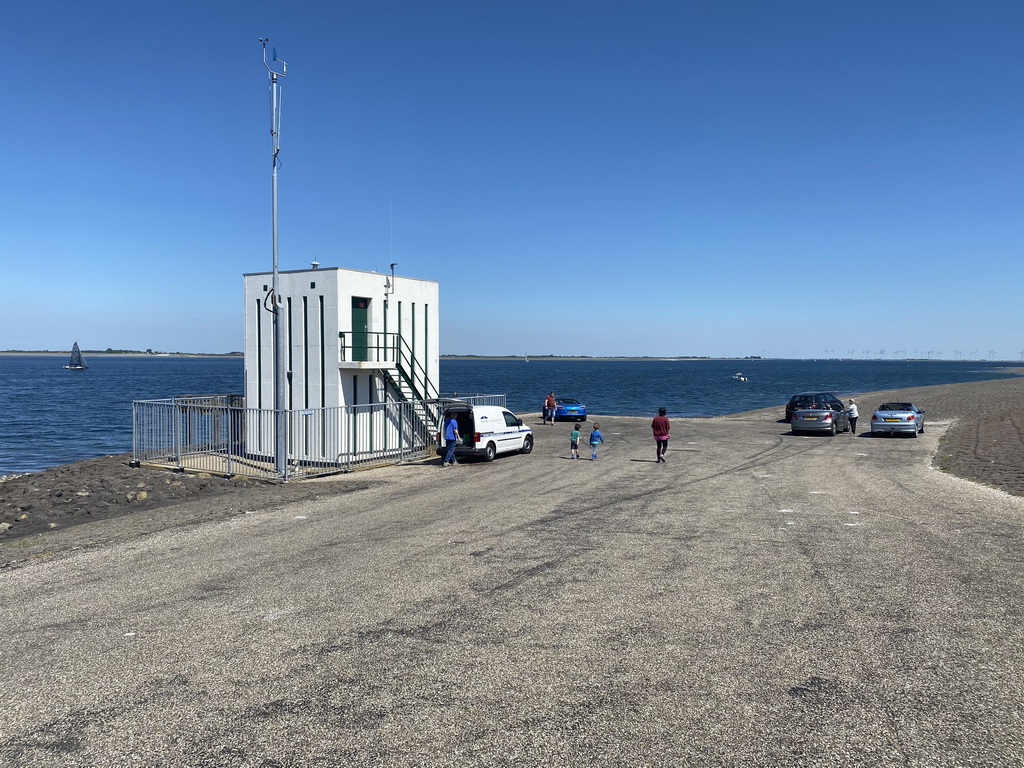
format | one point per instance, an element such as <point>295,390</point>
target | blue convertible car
<point>568,409</point>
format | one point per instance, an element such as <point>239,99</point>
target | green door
<point>360,328</point>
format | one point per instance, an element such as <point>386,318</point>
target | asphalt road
<point>760,600</point>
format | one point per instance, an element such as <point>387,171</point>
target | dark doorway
<point>360,328</point>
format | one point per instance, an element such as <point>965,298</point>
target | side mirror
<point>520,422</point>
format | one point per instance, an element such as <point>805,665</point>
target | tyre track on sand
<point>771,455</point>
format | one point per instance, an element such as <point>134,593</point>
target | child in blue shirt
<point>595,439</point>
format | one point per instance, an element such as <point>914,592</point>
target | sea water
<point>697,388</point>
<point>51,416</point>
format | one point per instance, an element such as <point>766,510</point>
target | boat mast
<point>280,374</point>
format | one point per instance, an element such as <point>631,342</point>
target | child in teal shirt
<point>595,439</point>
<point>574,442</point>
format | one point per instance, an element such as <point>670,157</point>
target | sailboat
<point>76,363</point>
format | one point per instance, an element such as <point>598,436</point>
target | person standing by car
<point>451,439</point>
<point>549,407</point>
<point>660,427</point>
<point>851,413</point>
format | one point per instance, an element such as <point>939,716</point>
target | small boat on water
<point>77,363</point>
<point>739,376</point>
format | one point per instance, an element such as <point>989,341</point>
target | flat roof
<point>335,269</point>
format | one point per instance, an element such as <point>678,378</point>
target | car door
<point>512,436</point>
<point>842,419</point>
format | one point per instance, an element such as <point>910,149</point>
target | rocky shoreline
<point>67,506</point>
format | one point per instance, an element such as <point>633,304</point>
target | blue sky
<point>785,178</point>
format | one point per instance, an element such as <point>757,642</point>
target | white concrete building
<point>356,342</point>
<point>353,338</point>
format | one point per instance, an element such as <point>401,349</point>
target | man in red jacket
<point>660,427</point>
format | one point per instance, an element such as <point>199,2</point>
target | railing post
<point>135,433</point>
<point>178,416</point>
<point>351,437</point>
<point>284,423</point>
<point>401,431</point>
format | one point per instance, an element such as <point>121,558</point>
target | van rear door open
<point>487,430</point>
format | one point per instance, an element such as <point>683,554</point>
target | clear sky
<point>794,178</point>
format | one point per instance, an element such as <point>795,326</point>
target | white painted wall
<point>318,306</point>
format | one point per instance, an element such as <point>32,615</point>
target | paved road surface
<point>760,600</point>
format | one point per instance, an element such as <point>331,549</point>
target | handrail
<point>378,347</point>
<point>415,374</point>
<point>388,348</point>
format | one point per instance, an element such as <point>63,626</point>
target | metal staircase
<point>408,381</point>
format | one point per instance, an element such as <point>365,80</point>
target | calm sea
<point>50,416</point>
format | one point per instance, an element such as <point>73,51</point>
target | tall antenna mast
<point>280,374</point>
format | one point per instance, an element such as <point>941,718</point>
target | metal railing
<point>414,373</point>
<point>217,434</point>
<point>368,347</point>
<point>498,400</point>
<point>391,349</point>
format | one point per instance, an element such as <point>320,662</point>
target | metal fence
<point>219,435</point>
<point>498,400</point>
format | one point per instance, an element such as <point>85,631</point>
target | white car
<point>486,431</point>
<point>891,418</point>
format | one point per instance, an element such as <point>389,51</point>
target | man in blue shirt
<point>451,439</point>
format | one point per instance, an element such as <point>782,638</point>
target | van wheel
<point>527,444</point>
<point>490,452</point>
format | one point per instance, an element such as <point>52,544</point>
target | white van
<point>486,430</point>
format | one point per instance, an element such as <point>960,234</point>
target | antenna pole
<point>280,344</point>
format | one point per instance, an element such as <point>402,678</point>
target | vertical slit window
<point>259,355</point>
<point>323,357</point>
<point>323,379</point>
<point>288,378</point>
<point>307,350</point>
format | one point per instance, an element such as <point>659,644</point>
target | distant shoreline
<point>89,353</point>
<point>578,358</point>
<point>584,358</point>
